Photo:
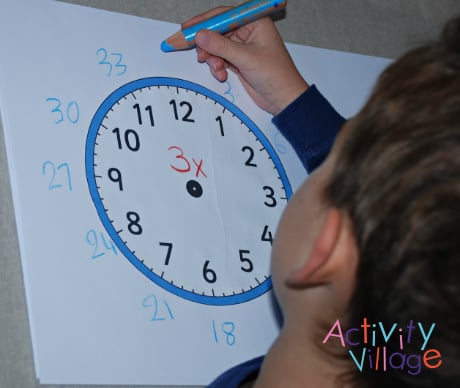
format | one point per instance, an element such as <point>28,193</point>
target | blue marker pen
<point>223,22</point>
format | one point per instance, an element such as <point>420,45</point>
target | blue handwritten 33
<point>112,61</point>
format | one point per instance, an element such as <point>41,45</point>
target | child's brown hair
<point>398,177</point>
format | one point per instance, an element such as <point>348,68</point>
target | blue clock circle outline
<point>94,128</point>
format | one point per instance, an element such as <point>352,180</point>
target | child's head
<point>398,177</point>
<point>375,232</point>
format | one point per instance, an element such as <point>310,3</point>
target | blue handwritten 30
<point>59,176</point>
<point>113,62</point>
<point>70,112</point>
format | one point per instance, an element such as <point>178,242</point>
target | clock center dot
<point>194,188</point>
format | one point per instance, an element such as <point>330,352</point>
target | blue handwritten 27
<point>56,176</point>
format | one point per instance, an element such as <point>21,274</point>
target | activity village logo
<point>368,346</point>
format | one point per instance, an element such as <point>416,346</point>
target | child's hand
<point>257,54</point>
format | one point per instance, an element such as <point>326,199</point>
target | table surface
<point>371,27</point>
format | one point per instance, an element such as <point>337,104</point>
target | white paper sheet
<point>95,318</point>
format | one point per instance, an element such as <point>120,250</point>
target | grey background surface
<point>374,27</point>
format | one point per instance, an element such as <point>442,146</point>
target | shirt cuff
<point>310,124</point>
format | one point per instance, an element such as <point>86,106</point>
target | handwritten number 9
<point>113,62</point>
<point>72,111</point>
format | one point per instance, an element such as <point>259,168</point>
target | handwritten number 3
<point>112,60</point>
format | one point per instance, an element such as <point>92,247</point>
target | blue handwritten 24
<point>94,240</point>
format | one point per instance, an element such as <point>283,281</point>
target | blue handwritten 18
<point>226,329</point>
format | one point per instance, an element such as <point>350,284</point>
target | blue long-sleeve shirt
<point>310,124</point>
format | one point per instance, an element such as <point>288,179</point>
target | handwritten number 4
<point>113,62</point>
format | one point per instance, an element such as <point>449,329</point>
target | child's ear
<point>333,247</point>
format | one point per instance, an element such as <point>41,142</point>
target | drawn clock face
<point>187,187</point>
